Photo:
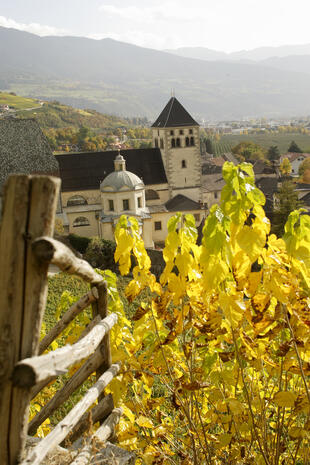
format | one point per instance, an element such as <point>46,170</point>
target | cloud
<point>170,11</point>
<point>34,28</point>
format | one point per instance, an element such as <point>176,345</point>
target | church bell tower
<point>176,133</point>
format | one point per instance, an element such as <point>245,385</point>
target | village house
<point>296,160</point>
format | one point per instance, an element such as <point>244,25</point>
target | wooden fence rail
<point>26,250</point>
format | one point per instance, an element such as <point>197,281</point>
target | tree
<point>293,148</point>
<point>209,146</point>
<point>286,167</point>
<point>82,135</point>
<point>249,151</point>
<point>304,167</point>
<point>286,201</point>
<point>273,153</point>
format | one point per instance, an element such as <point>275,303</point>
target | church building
<point>151,184</point>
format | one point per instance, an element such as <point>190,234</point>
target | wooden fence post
<point>100,307</point>
<point>29,207</point>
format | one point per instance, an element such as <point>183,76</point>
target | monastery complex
<point>150,184</point>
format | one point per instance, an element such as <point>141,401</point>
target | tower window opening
<point>161,143</point>
<point>156,142</point>
<point>172,142</point>
<point>178,142</point>
<point>192,141</point>
<point>183,163</point>
<point>187,141</point>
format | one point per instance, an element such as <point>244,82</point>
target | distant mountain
<point>257,54</point>
<point>119,78</point>
<point>199,53</point>
<point>300,63</point>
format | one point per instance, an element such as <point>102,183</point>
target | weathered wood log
<point>63,394</point>
<point>38,387</point>
<point>100,307</point>
<point>70,314</point>
<point>29,206</point>
<point>50,250</point>
<point>63,428</point>
<point>34,370</point>
<point>100,412</point>
<point>89,327</point>
<point>102,434</point>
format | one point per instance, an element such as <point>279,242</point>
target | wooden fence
<point>26,250</point>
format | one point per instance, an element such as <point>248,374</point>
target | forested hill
<point>119,78</point>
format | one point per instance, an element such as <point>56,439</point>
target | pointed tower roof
<point>174,115</point>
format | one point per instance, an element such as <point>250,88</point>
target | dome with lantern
<point>121,179</point>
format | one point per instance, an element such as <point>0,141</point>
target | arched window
<point>187,141</point>
<point>150,194</point>
<point>178,142</point>
<point>80,221</point>
<point>161,143</point>
<point>156,142</point>
<point>192,141</point>
<point>183,163</point>
<point>76,200</point>
<point>172,142</point>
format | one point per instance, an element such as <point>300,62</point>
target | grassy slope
<point>17,102</point>
<point>57,284</point>
<point>56,115</point>
<point>265,140</point>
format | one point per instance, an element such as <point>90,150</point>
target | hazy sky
<point>226,25</point>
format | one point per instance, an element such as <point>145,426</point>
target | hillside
<point>18,103</point>
<point>57,115</point>
<point>119,78</point>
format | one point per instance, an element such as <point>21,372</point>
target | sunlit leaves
<point>210,371</point>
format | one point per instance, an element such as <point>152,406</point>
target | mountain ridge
<point>119,78</point>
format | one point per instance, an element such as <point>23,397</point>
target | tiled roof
<point>293,156</point>
<point>306,199</point>
<point>212,182</point>
<point>24,149</point>
<point>85,171</point>
<point>174,115</point>
<point>181,203</point>
<point>300,186</point>
<point>218,161</point>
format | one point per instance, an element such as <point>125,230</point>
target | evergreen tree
<point>293,148</point>
<point>273,153</point>
<point>286,202</point>
<point>209,146</point>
